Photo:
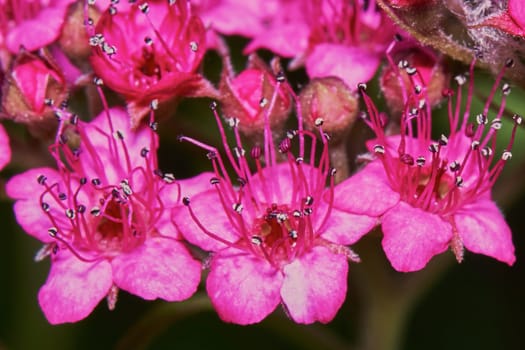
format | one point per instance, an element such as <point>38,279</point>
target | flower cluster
<point>272,219</point>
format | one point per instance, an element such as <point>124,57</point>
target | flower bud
<point>32,84</point>
<point>73,38</point>
<point>420,72</point>
<point>330,103</point>
<point>248,97</point>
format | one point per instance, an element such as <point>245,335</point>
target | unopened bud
<point>31,88</point>
<point>330,103</point>
<point>247,97</point>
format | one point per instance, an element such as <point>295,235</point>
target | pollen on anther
<point>168,178</point>
<point>154,104</point>
<point>318,121</point>
<point>214,181</point>
<point>379,149</point>
<point>420,161</point>
<point>52,231</point>
<point>263,102</point>
<point>506,155</point>
<point>41,179</point>
<point>238,207</point>
<point>194,46</point>
<point>256,240</point>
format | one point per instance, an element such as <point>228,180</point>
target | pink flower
<point>331,37</point>
<point>104,216</point>
<point>511,21</point>
<point>32,24</point>
<point>273,237</point>
<point>148,51</point>
<point>5,149</point>
<point>432,195</point>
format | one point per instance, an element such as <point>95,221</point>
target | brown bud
<point>74,39</point>
<point>33,83</point>
<point>330,103</point>
<point>248,96</point>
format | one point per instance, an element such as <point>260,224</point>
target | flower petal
<point>214,220</point>
<point>243,288</point>
<point>483,230</point>
<point>5,150</point>
<point>353,65</point>
<point>367,192</point>
<point>314,286</point>
<point>25,189</point>
<point>346,228</point>
<point>160,268</point>
<point>413,236</point>
<point>73,288</point>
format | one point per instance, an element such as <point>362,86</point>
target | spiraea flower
<point>273,233</point>
<point>432,195</point>
<point>150,50</point>
<point>32,24</point>
<point>104,218</point>
<point>338,38</point>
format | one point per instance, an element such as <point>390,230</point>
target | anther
<point>148,40</point>
<point>454,166</point>
<point>307,211</point>
<point>297,214</point>
<point>242,181</point>
<point>434,147</point>
<point>443,140</point>
<point>214,181</point>
<point>168,178</point>
<point>402,64</point>
<point>62,196</point>
<point>186,201</point>
<point>509,62</point>
<point>95,182</point>
<point>379,149</point>
<point>505,89</point>
<point>263,102</point>
<point>333,171</point>
<point>119,135</point>
<point>458,181</point>
<point>318,122</point>
<point>481,119</point>
<point>73,120</point>
<point>239,152</point>
<point>194,46</point>
<point>144,8</point>
<point>361,87</point>
<point>280,77</point>
<point>213,105</point>
<point>52,232</point>
<point>291,134</point>
<point>420,161</point>
<point>112,10</point>
<point>211,155</point>
<point>45,206</point>
<point>309,200</point>
<point>506,155</point>
<point>256,240</point>
<point>154,104</point>
<point>81,209</point>
<point>124,184</point>
<point>460,79</point>
<point>144,152</point>
<point>411,70</point>
<point>299,160</point>
<point>41,179</point>
<point>238,207</point>
<point>474,145</point>
<point>154,126</point>
<point>293,234</point>
<point>407,159</point>
<point>233,122</point>
<point>517,119</point>
<point>70,213</point>
<point>98,81</point>
<point>496,124</point>
<point>486,151</point>
<point>48,102</point>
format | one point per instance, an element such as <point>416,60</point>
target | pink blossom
<point>5,149</point>
<point>432,195</point>
<point>150,50</point>
<point>32,24</point>
<point>512,20</point>
<point>273,237</point>
<point>104,218</point>
<point>330,37</point>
